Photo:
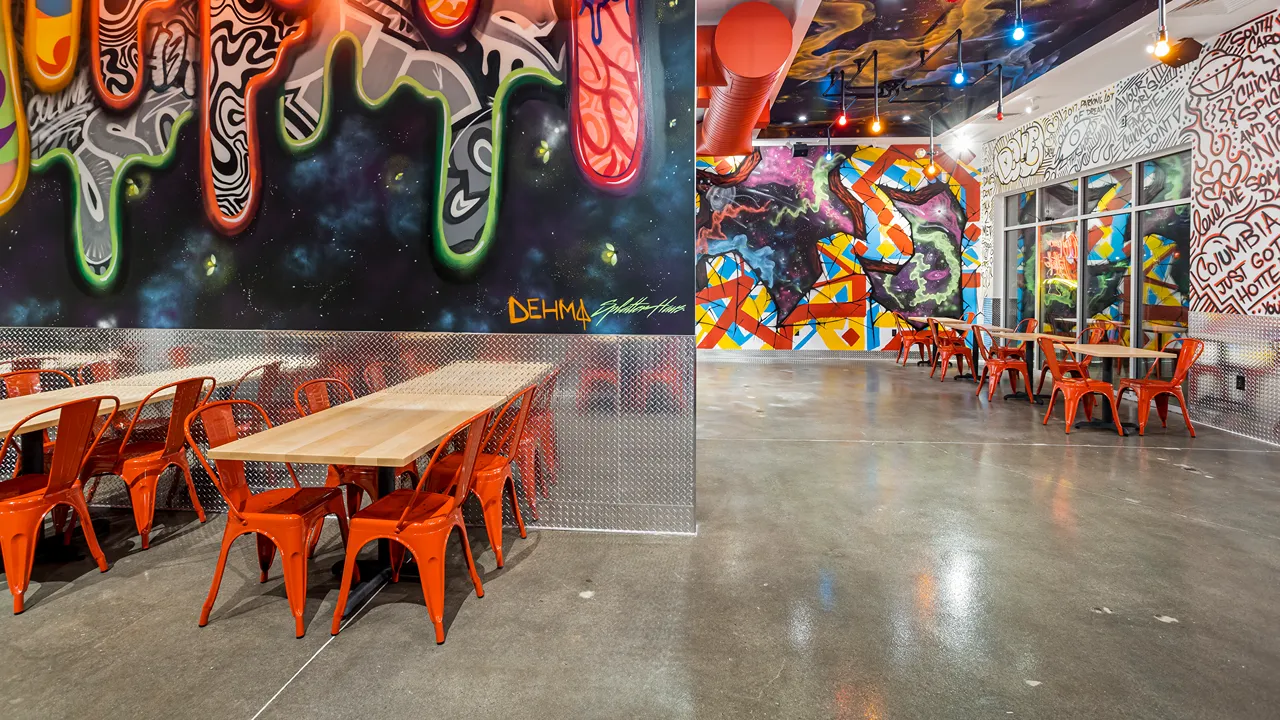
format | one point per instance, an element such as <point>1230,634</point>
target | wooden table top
<point>1164,328</point>
<point>59,361</point>
<point>131,390</point>
<point>1117,351</point>
<point>392,427</point>
<point>1029,336</point>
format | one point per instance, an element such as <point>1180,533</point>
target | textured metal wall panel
<point>794,356</point>
<point>1237,346</point>
<point>620,453</point>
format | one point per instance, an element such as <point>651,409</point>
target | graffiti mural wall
<point>354,164</point>
<point>1235,123</point>
<point>813,253</point>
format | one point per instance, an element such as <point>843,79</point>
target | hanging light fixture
<point>843,119</point>
<point>932,170</point>
<point>1162,47</point>
<point>1019,29</point>
<point>876,126</point>
<point>828,154</point>
<point>1000,92</point>
<point>960,76</point>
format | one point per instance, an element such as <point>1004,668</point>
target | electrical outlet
<point>1240,383</point>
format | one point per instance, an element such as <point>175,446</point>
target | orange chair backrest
<point>313,395</point>
<point>1049,348</point>
<point>75,438</point>
<point>220,427</point>
<point>187,395</point>
<point>29,382</point>
<point>375,376</point>
<point>270,375</point>
<point>475,434</point>
<point>1191,351</point>
<point>1027,325</point>
<point>904,327</point>
<point>984,343</point>
<point>99,371</point>
<point>504,433</point>
<point>1092,335</point>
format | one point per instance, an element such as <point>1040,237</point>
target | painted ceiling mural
<point>815,252</point>
<point>845,31</point>
<point>380,164</point>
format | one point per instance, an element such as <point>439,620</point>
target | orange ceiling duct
<point>739,59</point>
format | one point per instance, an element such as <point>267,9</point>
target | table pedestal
<point>374,574</point>
<point>1107,421</point>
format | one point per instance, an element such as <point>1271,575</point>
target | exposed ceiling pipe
<point>749,47</point>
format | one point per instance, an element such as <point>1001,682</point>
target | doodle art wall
<point>347,164</point>
<point>814,253</point>
<point>1227,108</point>
<point>1234,106</point>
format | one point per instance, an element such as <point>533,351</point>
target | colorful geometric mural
<point>593,82</point>
<point>810,253</point>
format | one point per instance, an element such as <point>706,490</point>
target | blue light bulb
<point>828,155</point>
<point>1019,33</point>
<point>959,78</point>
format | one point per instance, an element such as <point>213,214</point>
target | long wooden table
<point>131,391</point>
<point>389,429</point>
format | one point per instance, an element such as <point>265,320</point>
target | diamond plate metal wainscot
<point>610,439</point>
<point>1238,349</point>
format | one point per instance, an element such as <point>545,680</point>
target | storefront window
<point>1059,273</point>
<point>1108,191</point>
<point>1166,178</point>
<point>1166,267</point>
<point>1108,270</point>
<point>1060,201</point>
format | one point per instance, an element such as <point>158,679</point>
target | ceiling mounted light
<point>1019,29</point>
<point>1161,47</point>
<point>842,120</point>
<point>1000,91</point>
<point>803,118</point>
<point>906,118</point>
<point>828,154</point>
<point>960,77</point>
<point>932,170</point>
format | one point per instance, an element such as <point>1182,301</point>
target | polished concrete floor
<point>871,544</point>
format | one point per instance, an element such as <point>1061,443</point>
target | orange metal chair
<point>1075,389</point>
<point>909,337</point>
<point>140,463</point>
<point>420,522</point>
<point>493,476</point>
<point>1078,368</point>
<point>27,498</point>
<point>1019,351</point>
<point>948,344</point>
<point>1151,389</point>
<point>282,518</point>
<point>20,383</point>
<point>993,366</point>
<point>317,395</point>
<point>98,371</point>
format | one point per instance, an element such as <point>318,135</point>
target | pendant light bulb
<point>1019,29</point>
<point>959,78</point>
<point>1162,47</point>
<point>876,127</point>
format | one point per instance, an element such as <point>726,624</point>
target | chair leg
<point>1043,372</point>
<point>293,559</point>
<point>1026,378</point>
<point>60,525</point>
<point>431,573</point>
<point>491,504</point>
<point>142,495</point>
<point>471,562</point>
<point>1115,413</point>
<point>397,552</point>
<point>515,503</point>
<point>228,537</point>
<point>1162,409</point>
<point>981,380</point>
<point>1186,412</point>
<point>185,466</point>
<point>266,553</point>
<point>86,524</point>
<point>344,587</point>
<point>18,549</point>
<point>1053,397</point>
<point>1071,407</point>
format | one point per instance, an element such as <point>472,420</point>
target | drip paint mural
<point>814,253</point>
<point>1235,110</point>
<point>404,164</point>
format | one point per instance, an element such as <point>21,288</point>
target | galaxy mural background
<point>325,204</point>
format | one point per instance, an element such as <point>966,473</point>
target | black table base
<point>376,573</point>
